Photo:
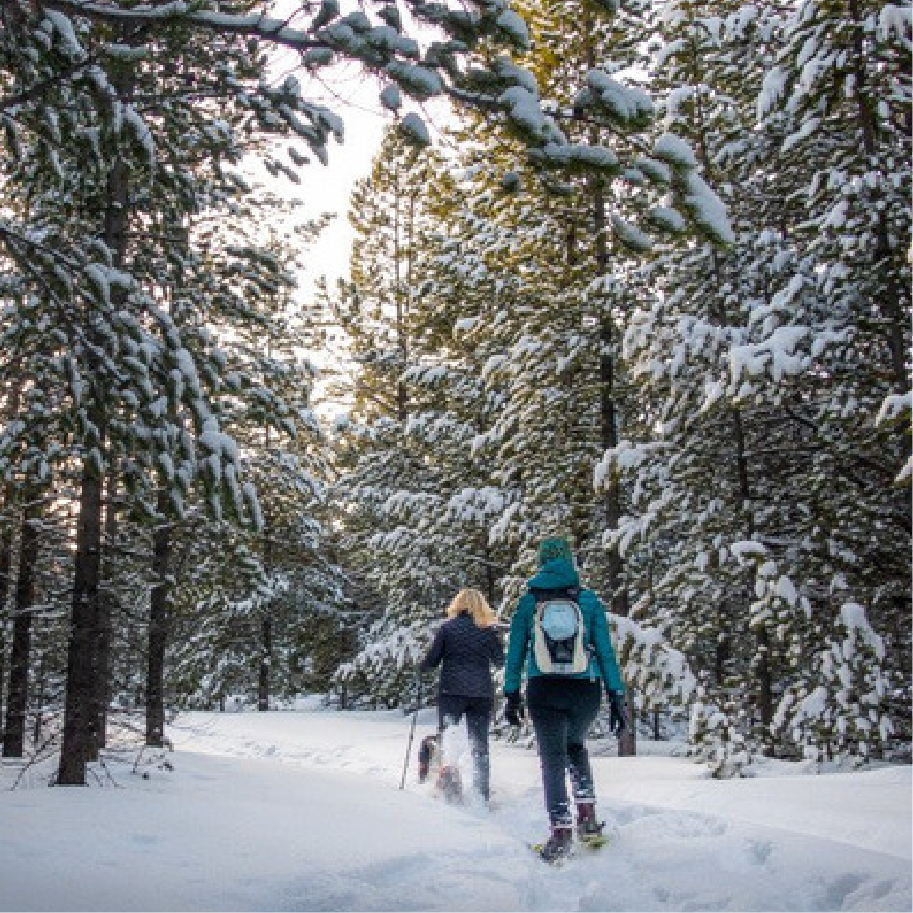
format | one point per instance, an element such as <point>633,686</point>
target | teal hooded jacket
<point>556,574</point>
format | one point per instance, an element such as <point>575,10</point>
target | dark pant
<point>451,708</point>
<point>562,711</point>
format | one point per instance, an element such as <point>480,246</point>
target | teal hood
<point>555,574</point>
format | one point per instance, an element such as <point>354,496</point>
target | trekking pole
<point>418,701</point>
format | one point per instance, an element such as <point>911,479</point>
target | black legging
<point>451,708</point>
<point>562,711</point>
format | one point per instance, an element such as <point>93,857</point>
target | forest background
<point>651,291</point>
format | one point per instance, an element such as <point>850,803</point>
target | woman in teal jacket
<point>563,704</point>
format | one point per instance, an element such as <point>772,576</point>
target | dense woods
<point>651,291</point>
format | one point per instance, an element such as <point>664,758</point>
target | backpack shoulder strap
<point>587,602</point>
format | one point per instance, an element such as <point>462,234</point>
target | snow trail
<point>301,811</point>
<point>672,828</point>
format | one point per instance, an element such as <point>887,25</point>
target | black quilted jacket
<point>465,654</point>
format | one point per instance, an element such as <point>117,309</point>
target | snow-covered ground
<point>302,811</point>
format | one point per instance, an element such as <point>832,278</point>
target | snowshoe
<point>594,841</point>
<point>450,784</point>
<point>558,847</point>
<point>589,830</point>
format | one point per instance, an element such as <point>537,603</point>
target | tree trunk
<point>159,611</point>
<point>106,617</point>
<point>80,717</point>
<point>82,661</point>
<point>80,733</point>
<point>17,704</point>
<point>266,623</point>
<point>40,695</point>
<point>266,657</point>
<point>6,555</point>
<point>627,742</point>
<point>765,682</point>
<point>490,579</point>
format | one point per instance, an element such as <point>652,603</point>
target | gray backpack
<point>559,635</point>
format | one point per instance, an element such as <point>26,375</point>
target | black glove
<point>513,708</point>
<point>618,719</point>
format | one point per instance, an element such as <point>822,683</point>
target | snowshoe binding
<point>450,785</point>
<point>558,847</point>
<point>589,830</point>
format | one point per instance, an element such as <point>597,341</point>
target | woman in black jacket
<point>466,646</point>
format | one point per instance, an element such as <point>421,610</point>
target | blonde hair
<point>472,601</point>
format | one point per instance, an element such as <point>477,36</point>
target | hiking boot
<point>450,784</point>
<point>426,755</point>
<point>589,830</point>
<point>559,845</point>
